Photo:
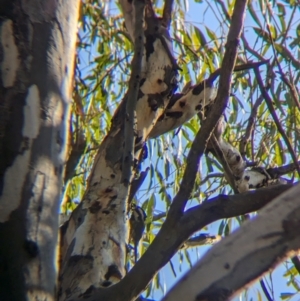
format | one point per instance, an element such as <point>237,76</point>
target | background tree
<point>118,152</point>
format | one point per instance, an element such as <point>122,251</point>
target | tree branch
<point>250,127</point>
<point>209,124</point>
<point>275,118</point>
<point>276,172</point>
<point>266,240</point>
<point>170,240</point>
<point>132,96</point>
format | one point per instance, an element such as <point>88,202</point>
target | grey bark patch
<point>216,294</point>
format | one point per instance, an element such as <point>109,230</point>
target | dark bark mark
<point>218,294</point>
<point>175,115</point>
<point>181,104</point>
<point>174,99</point>
<point>76,258</point>
<point>150,39</point>
<point>6,9</point>
<point>200,87</point>
<point>113,271</point>
<point>11,123</point>
<point>31,248</point>
<point>198,107</point>
<point>95,207</point>
<point>155,101</point>
<point>140,93</point>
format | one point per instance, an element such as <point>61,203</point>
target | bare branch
<point>250,127</point>
<point>271,108</point>
<point>265,290</point>
<point>276,172</point>
<point>266,240</point>
<point>203,135</point>
<point>291,87</point>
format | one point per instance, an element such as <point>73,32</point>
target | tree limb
<point>266,240</point>
<point>209,124</point>
<point>170,240</point>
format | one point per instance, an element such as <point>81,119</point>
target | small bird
<point>137,226</point>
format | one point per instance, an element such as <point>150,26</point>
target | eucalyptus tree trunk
<point>37,46</point>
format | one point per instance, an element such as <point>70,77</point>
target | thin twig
<point>292,88</point>
<point>218,153</point>
<point>250,127</point>
<point>271,108</point>
<point>276,172</point>
<point>265,290</point>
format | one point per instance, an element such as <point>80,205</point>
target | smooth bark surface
<point>245,255</point>
<point>37,41</point>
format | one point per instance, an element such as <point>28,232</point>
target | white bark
<point>38,44</point>
<point>242,257</point>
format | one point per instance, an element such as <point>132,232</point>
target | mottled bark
<point>37,45</point>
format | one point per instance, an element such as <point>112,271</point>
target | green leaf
<point>285,296</point>
<point>200,36</point>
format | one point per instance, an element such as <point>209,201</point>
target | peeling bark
<point>38,45</point>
